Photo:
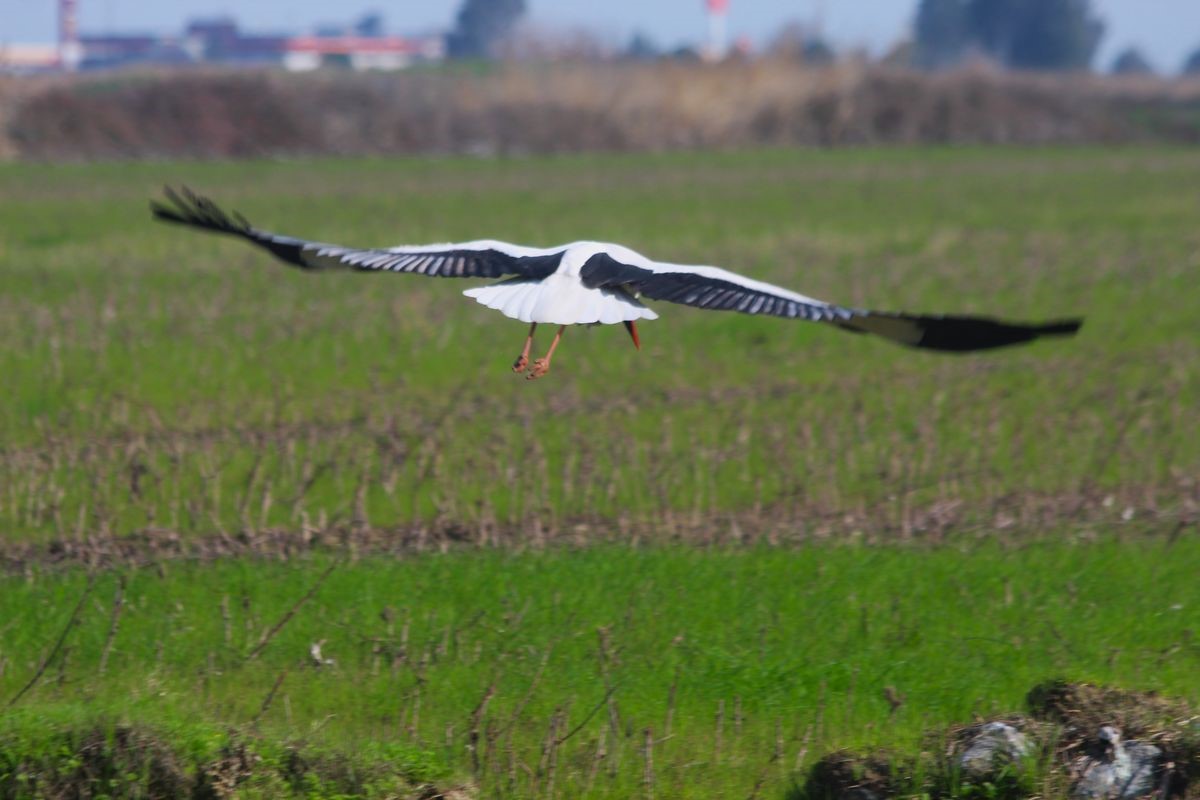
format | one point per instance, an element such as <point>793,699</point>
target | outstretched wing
<point>721,290</point>
<point>482,259</point>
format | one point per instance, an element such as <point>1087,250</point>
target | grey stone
<point>1116,770</point>
<point>992,745</point>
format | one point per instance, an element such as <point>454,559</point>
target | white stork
<point>588,283</point>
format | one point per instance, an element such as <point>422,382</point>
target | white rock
<point>1118,770</point>
<point>991,745</point>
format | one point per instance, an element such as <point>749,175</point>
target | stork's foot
<point>521,363</point>
<point>539,368</point>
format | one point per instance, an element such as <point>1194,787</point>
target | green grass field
<point>777,519</point>
<point>797,647</point>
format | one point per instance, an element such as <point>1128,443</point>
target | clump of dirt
<point>845,775</point>
<point>431,792</point>
<point>221,777</point>
<point>120,761</point>
<point>1083,708</point>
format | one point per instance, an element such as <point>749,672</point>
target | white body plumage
<point>561,298</point>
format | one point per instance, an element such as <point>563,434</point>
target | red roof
<point>336,45</point>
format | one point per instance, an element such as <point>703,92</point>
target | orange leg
<point>523,359</point>
<point>542,365</point>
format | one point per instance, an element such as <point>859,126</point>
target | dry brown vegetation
<point>790,524</point>
<point>576,107</point>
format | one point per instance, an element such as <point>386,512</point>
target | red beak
<point>632,328</point>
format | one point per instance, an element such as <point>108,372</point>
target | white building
<point>26,58</point>
<point>305,53</point>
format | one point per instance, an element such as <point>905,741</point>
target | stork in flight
<point>588,283</point>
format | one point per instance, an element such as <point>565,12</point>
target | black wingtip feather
<point>968,334</point>
<point>185,207</point>
<point>1065,327</point>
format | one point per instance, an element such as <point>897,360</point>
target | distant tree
<point>1192,65</point>
<point>902,53</point>
<point>1130,61</point>
<point>369,25</point>
<point>941,33</point>
<point>330,30</point>
<point>818,51</point>
<point>1036,34</point>
<point>788,41</point>
<point>481,25</point>
<point>684,53</point>
<point>642,48</point>
<point>799,42</point>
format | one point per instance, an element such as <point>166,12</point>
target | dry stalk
<point>291,612</point>
<point>850,695</point>
<point>414,719</point>
<point>264,508</point>
<point>402,653</point>
<point>590,714</point>
<point>762,775</point>
<point>58,645</point>
<point>600,756</point>
<point>247,617</point>
<point>243,505</point>
<point>118,605</point>
<point>648,768</point>
<point>778,753</point>
<point>473,733</point>
<point>720,730</point>
<point>821,700</point>
<point>512,761</point>
<point>537,679</point>
<point>226,620</point>
<point>671,704</point>
<point>266,703</point>
<point>802,753</point>
<point>547,763</point>
<point>62,665</point>
<point>603,657</point>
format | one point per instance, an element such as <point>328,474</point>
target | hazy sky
<point>1167,30</point>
